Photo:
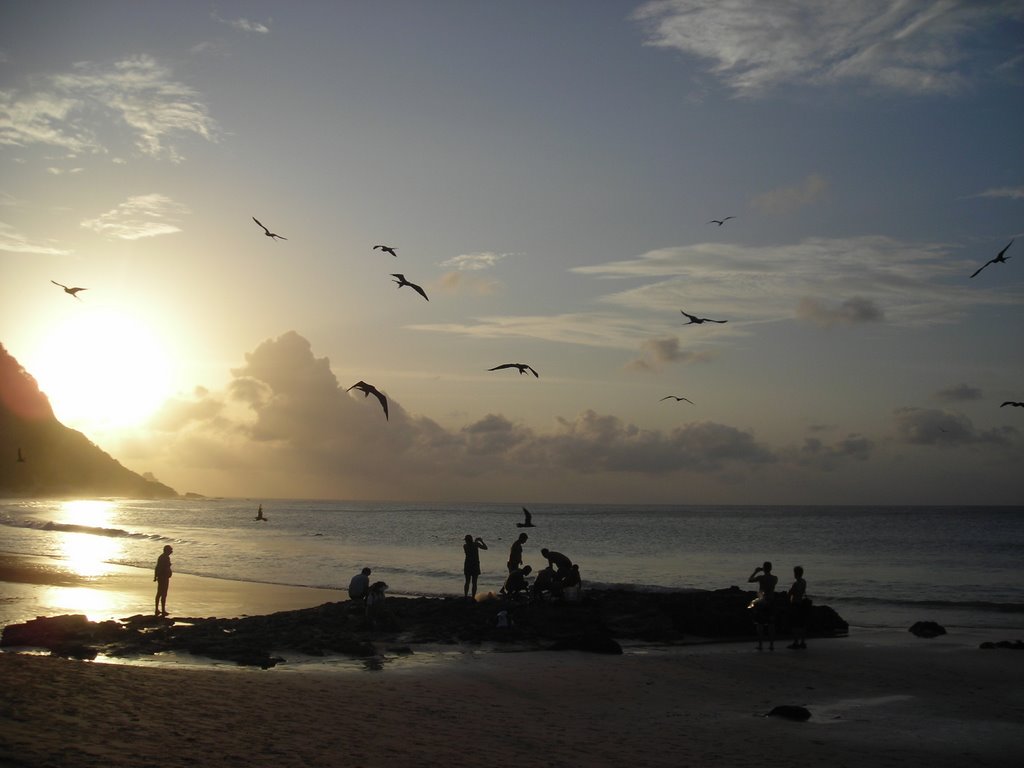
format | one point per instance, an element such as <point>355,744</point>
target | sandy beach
<point>894,703</point>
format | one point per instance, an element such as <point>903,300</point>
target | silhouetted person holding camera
<point>764,618</point>
<point>471,566</point>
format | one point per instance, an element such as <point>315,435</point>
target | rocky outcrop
<point>39,456</point>
<point>927,629</point>
<point>599,623</point>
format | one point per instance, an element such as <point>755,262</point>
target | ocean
<point>879,567</point>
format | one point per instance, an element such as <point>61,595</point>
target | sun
<point>102,369</point>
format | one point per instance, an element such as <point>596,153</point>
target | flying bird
<point>267,232</point>
<point>71,291</point>
<point>1014,403</point>
<point>386,249</point>
<point>402,281</point>
<point>21,459</point>
<point>720,222</point>
<point>698,320</point>
<point>676,398</point>
<point>527,520</point>
<point>999,258</point>
<point>523,368</point>
<point>369,389</point>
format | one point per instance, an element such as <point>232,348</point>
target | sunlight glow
<point>88,554</point>
<point>102,368</point>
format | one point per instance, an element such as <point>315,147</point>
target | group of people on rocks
<point>559,578</point>
<point>768,605</point>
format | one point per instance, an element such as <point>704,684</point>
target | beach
<point>899,702</point>
<point>876,698</point>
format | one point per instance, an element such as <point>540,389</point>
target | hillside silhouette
<point>39,456</point>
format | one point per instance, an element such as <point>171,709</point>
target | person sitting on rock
<point>546,583</point>
<point>359,587</point>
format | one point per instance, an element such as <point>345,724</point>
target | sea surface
<point>881,567</point>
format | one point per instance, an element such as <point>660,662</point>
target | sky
<point>549,174</point>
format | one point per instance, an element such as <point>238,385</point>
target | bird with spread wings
<point>523,368</point>
<point>70,291</point>
<point>402,281</point>
<point>369,389</point>
<point>999,258</point>
<point>267,232</point>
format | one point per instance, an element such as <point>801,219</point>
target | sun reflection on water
<point>87,552</point>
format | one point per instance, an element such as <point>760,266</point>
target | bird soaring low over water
<point>1014,403</point>
<point>676,398</point>
<point>369,389</point>
<point>386,249</point>
<point>267,232</point>
<point>523,368</point>
<point>402,281</point>
<point>694,320</point>
<point>999,258</point>
<point>720,222</point>
<point>72,291</point>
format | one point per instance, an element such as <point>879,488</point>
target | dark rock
<point>927,629</point>
<point>790,712</point>
<point>1013,645</point>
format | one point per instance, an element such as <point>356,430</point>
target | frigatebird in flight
<point>694,320</point>
<point>386,249</point>
<point>676,398</point>
<point>999,258</point>
<point>1014,403</point>
<point>267,232</point>
<point>527,520</point>
<point>523,368</point>
<point>71,291</point>
<point>402,281</point>
<point>369,389</point>
<point>720,222</point>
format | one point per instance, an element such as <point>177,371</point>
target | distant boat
<point>259,514</point>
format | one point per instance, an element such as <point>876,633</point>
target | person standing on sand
<point>162,577</point>
<point>515,554</point>
<point>798,609</point>
<point>471,567</point>
<point>762,605</point>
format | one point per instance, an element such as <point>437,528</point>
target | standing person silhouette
<point>798,609</point>
<point>471,567</point>
<point>162,577</point>
<point>764,618</point>
<point>515,554</point>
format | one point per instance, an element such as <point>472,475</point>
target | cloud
<point>139,216</point>
<point>245,25</point>
<point>928,426</point>
<point>853,311</point>
<point>827,458</point>
<point>754,46</point>
<point>466,283</point>
<point>72,110</point>
<point>786,200</point>
<point>1013,193</point>
<point>13,241</point>
<point>659,352</point>
<point>958,394</point>
<point>910,284</point>
<point>474,261</point>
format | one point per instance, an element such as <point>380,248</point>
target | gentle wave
<point>92,530</point>
<point>982,605</point>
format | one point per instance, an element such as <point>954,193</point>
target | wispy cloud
<point>245,25</point>
<point>788,199</point>
<point>867,277</point>
<point>958,394</point>
<point>13,241</point>
<point>466,283</point>
<point>474,261</point>
<point>1014,193</point>
<point>928,426</point>
<point>75,111</point>
<point>850,312</point>
<point>139,216</point>
<point>753,45</point>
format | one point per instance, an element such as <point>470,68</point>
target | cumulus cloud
<point>659,352</point>
<point>928,426</point>
<point>816,454</point>
<point>79,110</point>
<point>958,393</point>
<point>15,242</point>
<point>853,311</point>
<point>474,261</point>
<point>139,216</point>
<point>753,46</point>
<point>788,199</point>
